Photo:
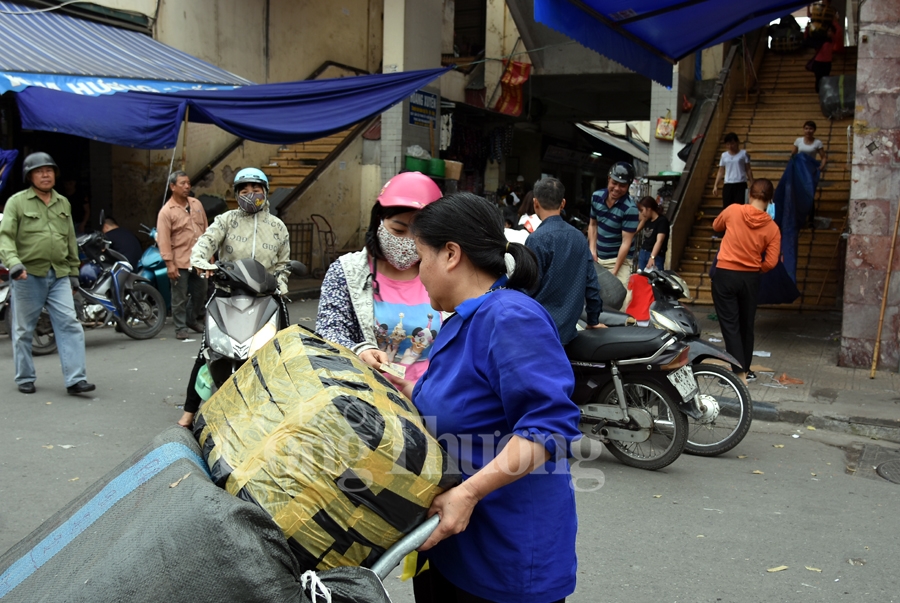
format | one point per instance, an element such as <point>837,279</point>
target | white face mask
<point>400,252</point>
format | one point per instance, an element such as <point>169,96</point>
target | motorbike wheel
<point>735,412</point>
<point>43,342</point>
<point>668,434</point>
<point>144,312</point>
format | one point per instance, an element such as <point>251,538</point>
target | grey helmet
<point>36,160</point>
<point>622,172</point>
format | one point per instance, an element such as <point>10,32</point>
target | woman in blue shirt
<point>497,395</point>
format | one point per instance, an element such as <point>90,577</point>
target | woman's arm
<point>749,171</point>
<point>517,459</point>
<point>720,176</point>
<point>795,151</point>
<point>336,320</point>
<point>824,155</point>
<point>657,247</point>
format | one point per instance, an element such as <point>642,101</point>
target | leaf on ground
<point>813,569</point>
<point>758,472</point>
<point>780,568</point>
<point>657,496</point>
<point>700,536</point>
<point>48,446</point>
<point>810,427</point>
<point>777,445</point>
<point>67,446</point>
<point>74,479</point>
<point>742,456</point>
<point>812,474</point>
<point>48,402</point>
<point>181,479</point>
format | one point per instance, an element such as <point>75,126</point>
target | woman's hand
<point>454,507</point>
<point>374,358</point>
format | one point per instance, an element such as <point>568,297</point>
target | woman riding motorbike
<point>247,232</point>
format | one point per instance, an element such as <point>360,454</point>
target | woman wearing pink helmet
<point>377,290</point>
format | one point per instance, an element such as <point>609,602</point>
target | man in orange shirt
<point>180,223</point>
<point>751,246</point>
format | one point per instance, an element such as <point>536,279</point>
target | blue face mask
<point>251,202</point>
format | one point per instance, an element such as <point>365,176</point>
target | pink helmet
<point>409,189</point>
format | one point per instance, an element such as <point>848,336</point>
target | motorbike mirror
<point>298,268</point>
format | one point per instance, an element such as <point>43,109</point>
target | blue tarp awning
<point>121,87</point>
<point>269,113</point>
<point>57,51</point>
<point>649,36</point>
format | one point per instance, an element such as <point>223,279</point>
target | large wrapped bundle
<point>837,96</point>
<point>154,529</point>
<point>338,458</point>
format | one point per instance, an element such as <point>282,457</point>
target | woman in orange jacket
<point>751,246</point>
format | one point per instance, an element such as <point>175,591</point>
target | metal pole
<point>187,111</point>
<point>884,297</point>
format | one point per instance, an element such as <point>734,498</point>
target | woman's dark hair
<point>477,227</point>
<point>650,203</point>
<point>527,206</point>
<point>732,137</point>
<point>762,189</point>
<point>380,213</point>
<point>810,123</point>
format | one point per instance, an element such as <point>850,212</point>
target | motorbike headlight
<point>264,335</point>
<point>219,342</point>
<point>664,322</point>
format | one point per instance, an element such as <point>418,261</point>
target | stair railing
<point>688,194</point>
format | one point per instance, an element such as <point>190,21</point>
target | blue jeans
<point>644,256</point>
<point>28,298</point>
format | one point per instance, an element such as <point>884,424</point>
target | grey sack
<point>154,529</point>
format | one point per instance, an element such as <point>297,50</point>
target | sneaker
<point>751,376</point>
<point>181,334</point>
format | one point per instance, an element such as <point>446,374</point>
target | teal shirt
<point>39,236</point>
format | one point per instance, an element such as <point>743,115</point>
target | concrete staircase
<point>292,164</point>
<point>767,124</point>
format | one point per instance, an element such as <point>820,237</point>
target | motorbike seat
<point>616,343</point>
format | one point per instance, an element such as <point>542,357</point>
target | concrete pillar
<point>663,153</point>
<point>412,41</point>
<point>874,182</point>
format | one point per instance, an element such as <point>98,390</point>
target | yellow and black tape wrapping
<point>337,457</point>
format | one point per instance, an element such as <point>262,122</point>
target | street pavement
<point>703,529</point>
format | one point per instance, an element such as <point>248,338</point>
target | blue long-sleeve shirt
<point>490,379</point>
<point>568,278</point>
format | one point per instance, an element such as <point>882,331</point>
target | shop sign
<point>423,109</point>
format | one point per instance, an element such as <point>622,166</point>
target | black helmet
<point>622,172</point>
<point>36,160</point>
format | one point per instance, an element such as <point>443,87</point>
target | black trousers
<point>432,587</point>
<point>734,295</point>
<point>733,193</point>
<point>192,399</point>
<point>821,70</point>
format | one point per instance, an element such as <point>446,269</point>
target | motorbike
<point>242,315</point>
<point>153,268</point>
<point>43,341</point>
<point>635,391</point>
<point>110,292</point>
<point>729,408</point>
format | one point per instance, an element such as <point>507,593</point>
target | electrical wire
<point>42,10</point>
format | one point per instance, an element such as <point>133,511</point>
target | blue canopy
<point>61,52</point>
<point>283,113</point>
<point>649,36</point>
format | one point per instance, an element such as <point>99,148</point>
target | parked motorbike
<point>242,315</point>
<point>44,341</point>
<point>729,408</point>
<point>635,391</point>
<point>110,292</point>
<point>153,268</point>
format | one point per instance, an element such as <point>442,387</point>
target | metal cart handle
<point>394,555</point>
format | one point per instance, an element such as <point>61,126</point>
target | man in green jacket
<point>37,243</point>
